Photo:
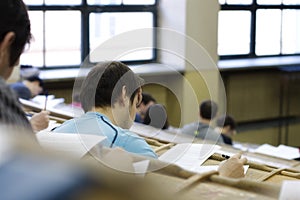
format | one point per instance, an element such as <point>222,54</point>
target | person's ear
<point>123,95</point>
<point>5,45</point>
<point>7,41</point>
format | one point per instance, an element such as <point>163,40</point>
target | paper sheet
<point>69,112</point>
<point>207,168</point>
<point>290,190</point>
<point>68,143</point>
<point>189,156</point>
<point>257,159</point>
<point>282,151</point>
<point>141,167</point>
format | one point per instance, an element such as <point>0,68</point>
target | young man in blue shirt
<point>110,95</point>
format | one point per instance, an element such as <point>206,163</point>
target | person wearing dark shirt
<point>156,116</point>
<point>226,125</point>
<point>147,101</point>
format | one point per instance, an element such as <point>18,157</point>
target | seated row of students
<point>110,93</point>
<point>156,116</point>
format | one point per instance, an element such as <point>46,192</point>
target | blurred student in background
<point>156,116</point>
<point>202,129</point>
<point>147,100</point>
<point>226,125</point>
<point>28,88</point>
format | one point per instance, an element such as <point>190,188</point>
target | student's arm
<point>139,146</point>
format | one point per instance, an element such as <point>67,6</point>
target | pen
<point>46,99</point>
<point>225,156</point>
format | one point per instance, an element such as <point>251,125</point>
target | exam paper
<point>76,145</point>
<point>290,190</point>
<point>189,156</point>
<point>282,151</point>
<point>207,168</point>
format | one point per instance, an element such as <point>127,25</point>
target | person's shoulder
<point>66,127</point>
<point>226,139</point>
<point>17,85</point>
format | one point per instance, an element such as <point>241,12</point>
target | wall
<point>266,101</point>
<point>196,42</point>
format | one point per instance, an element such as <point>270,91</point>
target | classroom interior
<point>260,94</point>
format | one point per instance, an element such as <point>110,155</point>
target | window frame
<point>253,8</point>
<point>86,10</point>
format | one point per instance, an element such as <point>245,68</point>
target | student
<point>11,112</point>
<point>227,127</point>
<point>14,34</point>
<point>110,95</point>
<point>207,112</point>
<point>147,101</point>
<point>156,116</point>
<point>28,88</point>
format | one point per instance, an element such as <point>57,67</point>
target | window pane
<point>234,32</point>
<point>63,36</point>
<point>104,26</point>
<point>63,2</point>
<point>221,2</point>
<point>244,2</point>
<point>269,2</point>
<point>104,2</point>
<point>291,2</point>
<point>291,32</point>
<point>268,26</point>
<point>33,2</point>
<point>139,2</point>
<point>33,54</point>
<point>119,2</point>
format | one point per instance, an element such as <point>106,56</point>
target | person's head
<point>11,112</point>
<point>208,110</point>
<point>227,124</point>
<point>34,84</point>
<point>112,85</point>
<point>14,34</point>
<point>156,116</point>
<point>147,101</point>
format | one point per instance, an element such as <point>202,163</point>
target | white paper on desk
<point>290,190</point>
<point>141,167</point>
<point>76,145</point>
<point>149,131</point>
<point>281,151</point>
<point>207,168</point>
<point>189,156</point>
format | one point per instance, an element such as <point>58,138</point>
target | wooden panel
<point>261,136</point>
<point>253,95</point>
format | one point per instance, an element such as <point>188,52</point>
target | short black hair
<point>103,85</point>
<point>156,116</point>
<point>226,120</point>
<point>14,17</point>
<point>35,78</point>
<point>208,109</point>
<point>147,98</point>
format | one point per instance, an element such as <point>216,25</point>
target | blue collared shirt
<point>98,124</point>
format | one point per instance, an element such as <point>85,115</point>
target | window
<point>258,28</point>
<point>66,31</point>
